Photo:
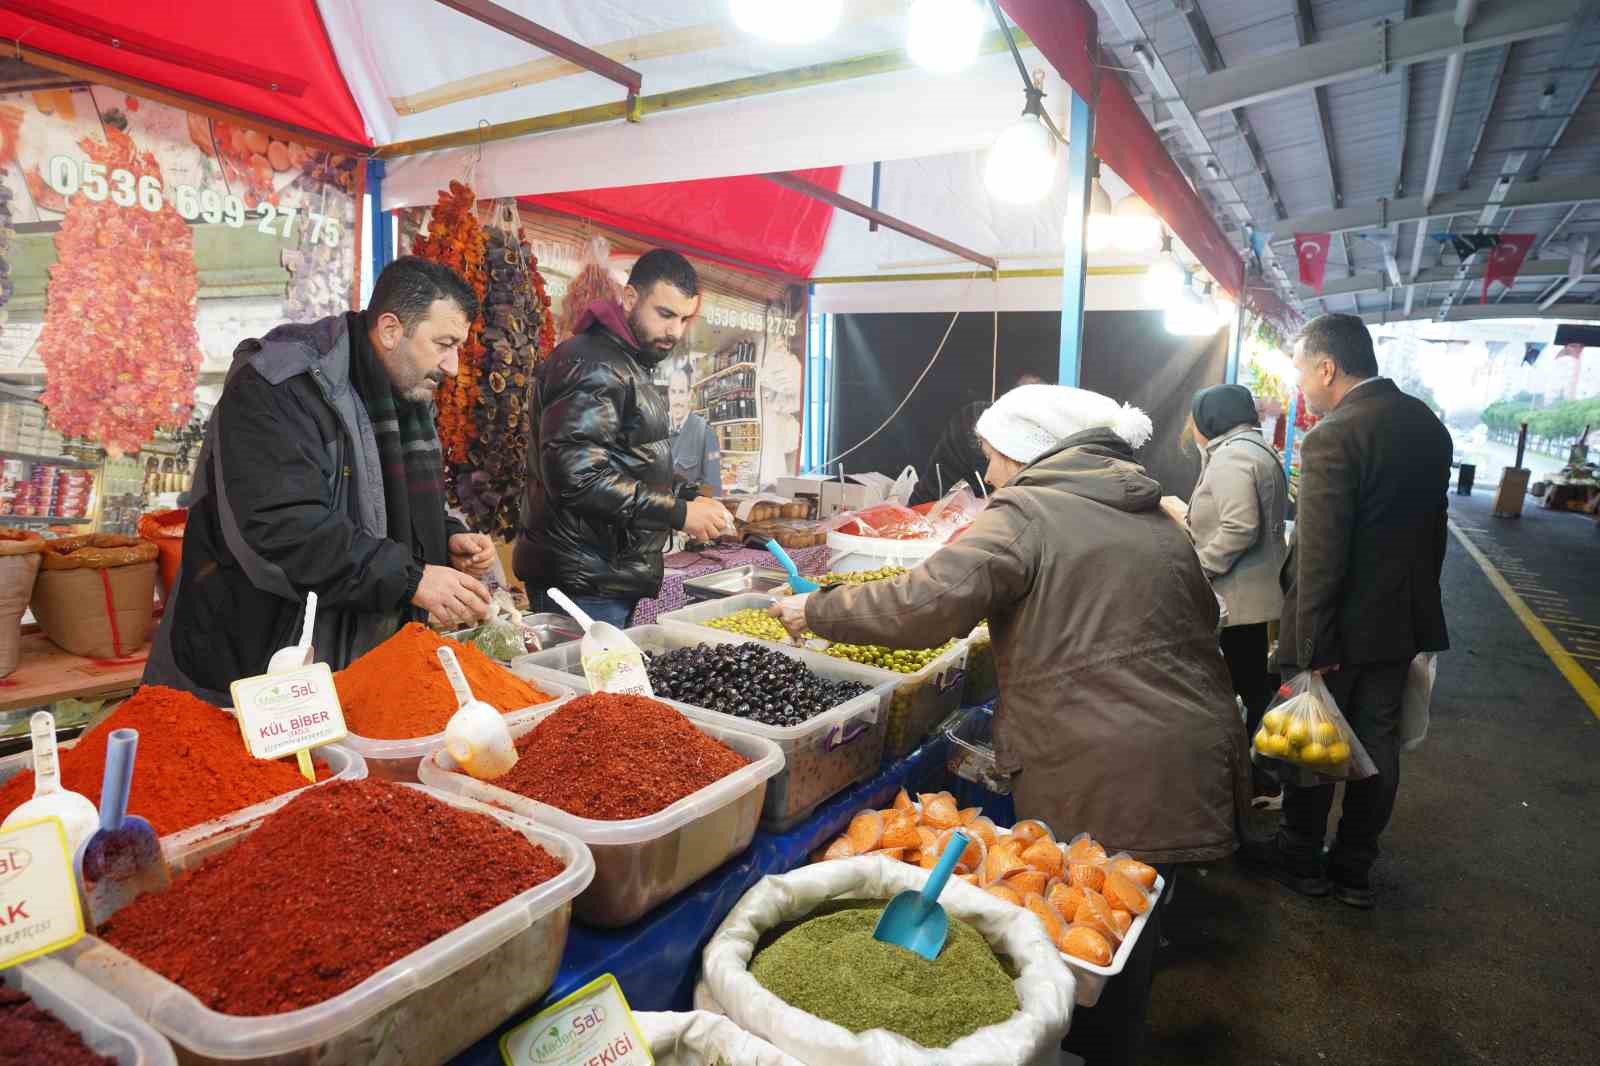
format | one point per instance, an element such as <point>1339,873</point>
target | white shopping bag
<point>1418,698</point>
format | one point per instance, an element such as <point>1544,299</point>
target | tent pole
<point>1080,136</point>
<point>1288,435</point>
<point>382,234</point>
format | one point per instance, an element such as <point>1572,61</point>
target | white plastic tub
<point>848,553</point>
<point>108,1027</point>
<point>821,757</point>
<point>397,760</point>
<point>1091,978</point>
<point>425,1007</point>
<point>642,862</point>
<point>916,703</point>
<point>343,765</point>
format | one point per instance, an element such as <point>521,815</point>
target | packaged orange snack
<point>1144,874</point>
<point>902,802</point>
<point>839,849</point>
<point>1053,925</point>
<point>1028,880</point>
<point>1006,893</point>
<point>1084,849</point>
<point>1065,898</point>
<point>1031,830</point>
<point>866,829</point>
<point>1083,942</point>
<point>1123,921</point>
<point>1095,912</point>
<point>1085,875</point>
<point>1045,855</point>
<point>900,830</point>
<point>1123,891</point>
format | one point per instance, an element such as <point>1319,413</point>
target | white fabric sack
<point>1032,1036</point>
<point>700,1038</point>
<point>1416,700</point>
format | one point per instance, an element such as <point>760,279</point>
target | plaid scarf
<point>408,452</point>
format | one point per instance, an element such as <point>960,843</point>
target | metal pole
<point>1522,443</point>
<point>382,234</point>
<point>1288,435</point>
<point>1080,138</point>
<point>1232,375</point>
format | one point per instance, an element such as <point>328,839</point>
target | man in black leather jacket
<point>599,507</point>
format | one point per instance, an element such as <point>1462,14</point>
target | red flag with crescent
<point>1312,251</point>
<point>1505,260</point>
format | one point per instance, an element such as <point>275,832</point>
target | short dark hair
<point>408,287</point>
<point>663,264</point>
<point>1345,340</point>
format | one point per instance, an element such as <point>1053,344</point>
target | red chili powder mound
<point>341,882</point>
<point>398,690</point>
<point>31,1036</point>
<point>191,766</point>
<point>613,757</point>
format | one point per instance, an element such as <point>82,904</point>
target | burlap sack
<point>97,612</point>
<point>96,551</point>
<point>19,564</point>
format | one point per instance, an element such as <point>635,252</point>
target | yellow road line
<point>1580,679</point>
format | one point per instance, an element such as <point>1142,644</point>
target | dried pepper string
<point>456,239</point>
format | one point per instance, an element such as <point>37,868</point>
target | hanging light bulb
<point>944,34</point>
<point>1023,159</point>
<point>787,23</point>
<point>1190,316</point>
<point>1137,227</point>
<point>1102,232</point>
<point>1166,277</point>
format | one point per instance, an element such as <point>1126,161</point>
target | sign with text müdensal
<point>281,714</point>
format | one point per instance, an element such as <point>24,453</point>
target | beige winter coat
<point>1236,517</point>
<point>1116,710</point>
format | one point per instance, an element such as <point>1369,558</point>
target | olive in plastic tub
<point>343,765</point>
<point>642,862</point>
<point>397,760</point>
<point>103,1023</point>
<point>425,1007</point>
<point>918,702</point>
<point>822,756</point>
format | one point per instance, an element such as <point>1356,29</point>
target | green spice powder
<point>829,966</point>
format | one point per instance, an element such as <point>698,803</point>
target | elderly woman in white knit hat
<point>1116,712</point>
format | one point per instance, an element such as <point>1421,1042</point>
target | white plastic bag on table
<point>700,1038</point>
<point>904,486</point>
<point>1308,739</point>
<point>1030,1037</point>
<point>1415,703</point>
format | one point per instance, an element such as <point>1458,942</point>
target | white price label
<point>591,1027</point>
<point>39,911</point>
<point>281,714</point>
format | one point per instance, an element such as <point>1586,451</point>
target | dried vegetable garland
<point>119,345</point>
<point>594,282</point>
<point>456,239</point>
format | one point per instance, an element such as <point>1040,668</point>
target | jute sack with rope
<point>96,593</point>
<point>19,565</point>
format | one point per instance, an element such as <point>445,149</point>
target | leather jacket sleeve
<point>581,422</point>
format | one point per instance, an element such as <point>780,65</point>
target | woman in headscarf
<point>1236,517</point>
<point>1116,714</point>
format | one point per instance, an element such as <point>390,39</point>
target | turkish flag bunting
<point>1505,260</point>
<point>1312,251</point>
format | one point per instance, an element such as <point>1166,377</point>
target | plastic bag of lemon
<point>1307,731</point>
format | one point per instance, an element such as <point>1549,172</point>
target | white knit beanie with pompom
<point>1031,421</point>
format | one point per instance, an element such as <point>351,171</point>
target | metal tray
<point>734,582</point>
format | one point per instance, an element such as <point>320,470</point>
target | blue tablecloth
<point>657,960</point>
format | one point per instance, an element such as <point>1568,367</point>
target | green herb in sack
<point>829,965</point>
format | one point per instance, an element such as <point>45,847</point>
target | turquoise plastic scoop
<point>797,583</point>
<point>914,920</point>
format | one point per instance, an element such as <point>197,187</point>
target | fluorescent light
<point>1189,316</point>
<point>787,23</point>
<point>1022,162</point>
<point>944,34</point>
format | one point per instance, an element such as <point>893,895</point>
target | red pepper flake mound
<point>398,690</point>
<point>613,757</point>
<point>32,1036</point>
<point>191,767</point>
<point>341,882</point>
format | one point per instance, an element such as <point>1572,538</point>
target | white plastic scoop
<point>476,735</point>
<point>611,661</point>
<point>78,815</point>
<point>293,658</point>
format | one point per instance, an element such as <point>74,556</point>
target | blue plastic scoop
<point>914,920</point>
<point>797,584</point>
<point>123,859</point>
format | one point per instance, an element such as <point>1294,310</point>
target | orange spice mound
<point>398,690</point>
<point>191,765</point>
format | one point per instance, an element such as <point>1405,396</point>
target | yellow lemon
<point>1325,732</point>
<point>1277,746</point>
<point>1262,741</point>
<point>1314,754</point>
<point>1338,753</point>
<point>1299,734</point>
<point>1274,721</point>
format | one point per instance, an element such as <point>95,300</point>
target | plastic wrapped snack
<point>1307,734</point>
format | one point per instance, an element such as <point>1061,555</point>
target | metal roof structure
<point>1384,122</point>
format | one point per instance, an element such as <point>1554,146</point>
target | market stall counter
<point>658,959</point>
<point>682,567</point>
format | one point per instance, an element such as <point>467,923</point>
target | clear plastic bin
<point>425,1007</point>
<point>343,765</point>
<point>397,760</point>
<point>821,757</point>
<point>642,862</point>
<point>108,1027</point>
<point>971,755</point>
<point>917,703</point>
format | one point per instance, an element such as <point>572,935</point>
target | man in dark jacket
<point>600,504</point>
<point>321,472</point>
<point>1361,587</point>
